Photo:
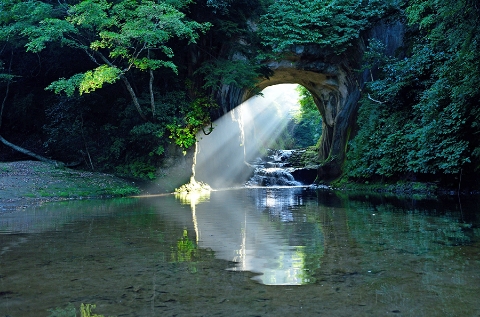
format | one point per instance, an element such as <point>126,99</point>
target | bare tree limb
<point>377,101</point>
<point>30,153</point>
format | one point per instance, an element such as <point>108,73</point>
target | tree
<point>124,41</point>
<point>8,36</point>
<point>117,37</point>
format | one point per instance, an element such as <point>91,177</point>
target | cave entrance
<point>272,120</point>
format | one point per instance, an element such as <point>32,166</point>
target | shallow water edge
<point>160,256</point>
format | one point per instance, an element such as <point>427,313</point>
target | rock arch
<point>335,84</point>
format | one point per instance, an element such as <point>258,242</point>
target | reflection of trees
<point>413,231</point>
<point>185,250</point>
<point>408,246</point>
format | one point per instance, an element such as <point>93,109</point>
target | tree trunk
<point>152,97</point>
<point>134,96</point>
<point>150,87</point>
<point>127,84</point>
<point>30,153</point>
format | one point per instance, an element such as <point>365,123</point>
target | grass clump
<point>71,311</point>
<point>125,191</point>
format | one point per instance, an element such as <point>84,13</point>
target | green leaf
<point>94,79</point>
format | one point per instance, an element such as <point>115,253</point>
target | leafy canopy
<point>116,36</point>
<point>332,24</point>
<point>420,115</point>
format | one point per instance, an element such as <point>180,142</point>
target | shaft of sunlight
<point>241,136</point>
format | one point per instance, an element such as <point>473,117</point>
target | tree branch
<point>377,101</point>
<point>30,153</point>
<point>129,87</point>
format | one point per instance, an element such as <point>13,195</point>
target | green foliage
<point>183,135</point>
<point>86,82</point>
<point>420,114</point>
<point>94,79</point>
<point>138,169</point>
<point>5,77</point>
<point>125,191</point>
<point>18,16</point>
<point>186,250</point>
<point>86,310</point>
<point>219,6</point>
<point>330,24</point>
<point>195,119</point>
<point>70,311</point>
<point>147,131</point>
<point>240,73</point>
<point>379,147</point>
<point>308,122</point>
<point>115,36</point>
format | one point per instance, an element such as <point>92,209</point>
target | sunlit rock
<point>194,187</point>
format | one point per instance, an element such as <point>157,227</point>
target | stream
<point>272,251</point>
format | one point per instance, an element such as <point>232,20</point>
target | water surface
<point>245,252</point>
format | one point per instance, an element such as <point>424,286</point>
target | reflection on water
<point>167,255</point>
<point>263,231</point>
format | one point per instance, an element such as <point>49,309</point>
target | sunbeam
<point>240,136</point>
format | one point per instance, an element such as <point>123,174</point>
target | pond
<point>243,252</point>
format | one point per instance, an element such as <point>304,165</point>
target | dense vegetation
<point>419,116</point>
<point>113,84</point>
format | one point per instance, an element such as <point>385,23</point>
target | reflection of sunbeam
<point>239,225</point>
<point>239,137</point>
<point>241,257</point>
<point>193,198</point>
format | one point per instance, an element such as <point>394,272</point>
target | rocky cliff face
<point>334,83</point>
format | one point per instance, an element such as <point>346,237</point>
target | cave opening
<point>272,120</point>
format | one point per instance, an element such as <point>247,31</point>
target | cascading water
<point>273,170</point>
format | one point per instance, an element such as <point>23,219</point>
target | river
<point>277,251</point>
